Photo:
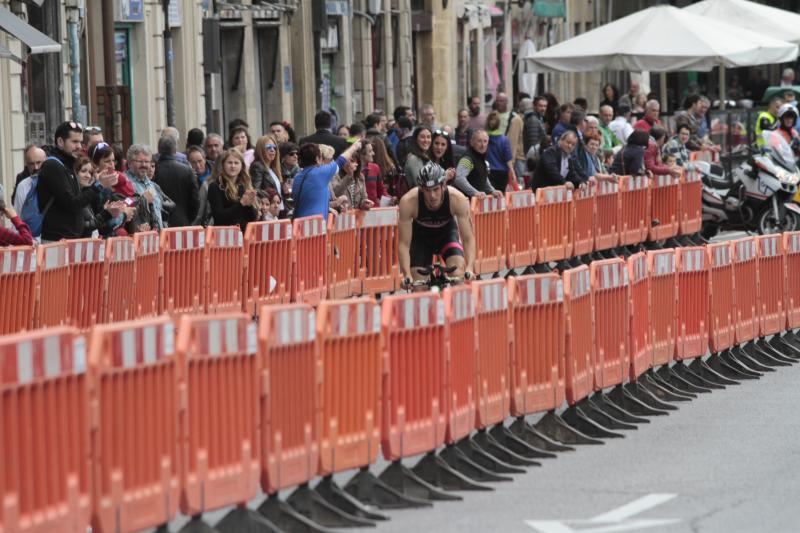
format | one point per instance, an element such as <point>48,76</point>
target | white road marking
<point>618,519</point>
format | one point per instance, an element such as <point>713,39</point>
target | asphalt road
<point>726,462</point>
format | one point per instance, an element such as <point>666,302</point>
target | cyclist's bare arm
<point>408,208</point>
<point>459,207</point>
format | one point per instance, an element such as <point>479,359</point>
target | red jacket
<point>645,124</point>
<point>652,160</point>
<point>16,238</point>
<point>374,183</point>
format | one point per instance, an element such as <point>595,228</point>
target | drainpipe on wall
<point>73,24</point>
<point>169,74</point>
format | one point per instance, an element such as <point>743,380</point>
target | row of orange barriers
<point>154,416</point>
<point>188,270</point>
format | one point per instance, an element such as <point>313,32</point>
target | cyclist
<point>432,215</point>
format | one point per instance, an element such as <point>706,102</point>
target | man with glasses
<point>61,198</point>
<point>139,161</point>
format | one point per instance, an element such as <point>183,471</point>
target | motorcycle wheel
<point>768,225</point>
<point>709,231</point>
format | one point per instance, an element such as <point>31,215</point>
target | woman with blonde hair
<point>265,171</point>
<point>231,194</point>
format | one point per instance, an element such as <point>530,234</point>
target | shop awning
<point>36,41</point>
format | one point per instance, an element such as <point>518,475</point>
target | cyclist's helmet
<point>787,110</point>
<point>431,175</point>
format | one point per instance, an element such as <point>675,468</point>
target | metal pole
<point>73,19</point>
<point>168,72</point>
<point>110,69</point>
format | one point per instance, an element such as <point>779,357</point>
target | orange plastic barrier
<point>147,297</point>
<point>350,341</point>
<point>224,261</point>
<point>268,265</point>
<point>18,287</point>
<point>378,260</point>
<point>579,369</point>
<point>462,360</point>
<point>720,292</point>
<point>121,272</point>
<point>219,412</point>
<point>45,438</point>
<point>491,225</point>
<point>691,210</point>
<point>640,341</point>
<point>771,284</point>
<point>664,297</point>
<point>692,330</point>
<point>634,201</point>
<point>791,244</point>
<point>554,223</point>
<point>522,244</point>
<point>310,242</point>
<point>343,279</point>
<point>606,233</point>
<point>494,352</point>
<point>183,270</point>
<point>87,281</point>
<point>134,393</point>
<point>611,330</point>
<point>290,364</point>
<point>583,220</point>
<point>537,306</point>
<point>665,204</point>
<point>52,272</point>
<point>414,418</point>
<point>745,281</point>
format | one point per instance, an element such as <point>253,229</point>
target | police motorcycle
<point>757,196</point>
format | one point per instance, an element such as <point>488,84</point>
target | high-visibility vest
<point>759,129</point>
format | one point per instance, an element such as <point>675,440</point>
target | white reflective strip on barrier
<point>424,311</point>
<point>344,318</point>
<point>128,346</point>
<point>297,323</point>
<point>361,318</point>
<point>24,362</point>
<point>214,338</point>
<point>52,356</point>
<point>168,338</point>
<point>231,336</point>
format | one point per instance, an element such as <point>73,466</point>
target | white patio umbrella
<point>777,23</point>
<point>662,39</point>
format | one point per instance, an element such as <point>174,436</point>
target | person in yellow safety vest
<point>767,120</point>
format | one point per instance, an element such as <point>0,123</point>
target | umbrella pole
<point>722,87</point>
<point>663,90</point>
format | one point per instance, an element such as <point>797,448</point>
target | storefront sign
<point>550,8</point>
<point>131,11</point>
<point>337,8</point>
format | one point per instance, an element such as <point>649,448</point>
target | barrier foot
<point>792,339</point>
<point>637,392</point>
<point>784,347</point>
<point>623,399</point>
<point>529,434</point>
<point>741,355</point>
<point>719,363</point>
<point>460,461</point>
<point>244,520</point>
<point>197,525</point>
<point>663,390</point>
<point>435,470</point>
<point>604,418</point>
<point>689,375</point>
<point>485,440</point>
<point>672,242</point>
<point>667,374</point>
<point>767,348</point>
<point>520,446</point>
<point>698,239</point>
<point>587,259</point>
<point>542,268</point>
<point>575,417</point>
<point>335,495</point>
<point>735,360</point>
<point>485,459</point>
<point>528,270</point>
<point>404,480</point>
<point>575,262</point>
<point>597,256</point>
<point>602,402</point>
<point>765,358</point>
<point>368,489</point>
<point>315,507</point>
<point>702,369</point>
<point>287,517</point>
<point>555,428</point>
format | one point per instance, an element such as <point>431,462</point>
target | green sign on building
<point>550,8</point>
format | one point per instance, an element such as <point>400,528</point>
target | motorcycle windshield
<point>780,149</point>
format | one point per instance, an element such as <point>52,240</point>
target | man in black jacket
<point>557,164</point>
<point>177,182</point>
<point>61,197</point>
<point>323,135</point>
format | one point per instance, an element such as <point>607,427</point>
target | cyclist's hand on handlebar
<point>406,283</point>
<point>469,275</point>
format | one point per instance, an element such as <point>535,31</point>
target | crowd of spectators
<point>80,186</point>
